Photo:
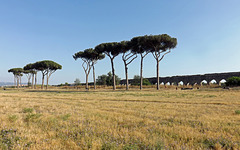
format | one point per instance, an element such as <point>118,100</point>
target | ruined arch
<point>203,82</point>
<point>213,81</point>
<point>221,82</point>
<point>192,79</point>
<point>180,83</point>
<point>167,83</point>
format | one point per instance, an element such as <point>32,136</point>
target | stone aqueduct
<point>191,79</point>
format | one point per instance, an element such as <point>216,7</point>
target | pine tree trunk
<point>141,72</point>
<point>32,80</point>
<point>113,73</point>
<point>20,81</point>
<point>36,81</point>
<point>94,79</point>
<point>29,78</point>
<point>126,73</point>
<point>17,82</point>
<point>42,81</point>
<point>157,75</point>
<point>86,81</point>
<point>47,81</point>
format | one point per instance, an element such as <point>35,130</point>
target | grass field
<point>106,119</point>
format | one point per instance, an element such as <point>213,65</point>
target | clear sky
<point>208,33</point>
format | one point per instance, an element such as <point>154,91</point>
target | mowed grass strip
<point>150,119</point>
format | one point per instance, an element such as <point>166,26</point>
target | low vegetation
<point>103,119</point>
<point>233,81</point>
<point>136,81</point>
<point>107,79</point>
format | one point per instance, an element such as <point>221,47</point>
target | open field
<point>105,119</point>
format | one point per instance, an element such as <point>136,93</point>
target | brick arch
<point>192,78</point>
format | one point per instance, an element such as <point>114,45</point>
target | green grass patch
<point>31,117</point>
<point>12,118</point>
<point>65,117</point>
<point>237,112</point>
<point>27,110</point>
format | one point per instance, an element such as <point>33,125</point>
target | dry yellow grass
<point>105,119</point>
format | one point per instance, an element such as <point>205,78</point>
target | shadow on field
<point>57,91</point>
<point>167,102</point>
<point>72,91</point>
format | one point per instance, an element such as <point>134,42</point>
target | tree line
<point>157,45</point>
<point>46,67</point>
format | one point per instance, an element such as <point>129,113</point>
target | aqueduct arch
<point>192,79</point>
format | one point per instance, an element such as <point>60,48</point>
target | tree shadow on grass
<point>56,91</point>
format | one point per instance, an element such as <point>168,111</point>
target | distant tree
<point>28,75</point>
<point>127,56</point>
<point>107,79</point>
<point>61,84</point>
<point>111,50</point>
<point>77,82</point>
<point>136,81</point>
<point>14,76</point>
<point>233,81</point>
<point>160,45</point>
<point>17,72</point>
<point>110,78</point>
<point>102,80</point>
<point>20,78</point>
<point>47,67</point>
<point>94,57</point>
<point>87,61</point>
<point>33,71</point>
<point>138,45</point>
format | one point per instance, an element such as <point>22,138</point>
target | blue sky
<point>208,34</point>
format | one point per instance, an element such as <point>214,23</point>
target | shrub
<point>107,79</point>
<point>136,81</point>
<point>233,81</point>
<point>146,82</point>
